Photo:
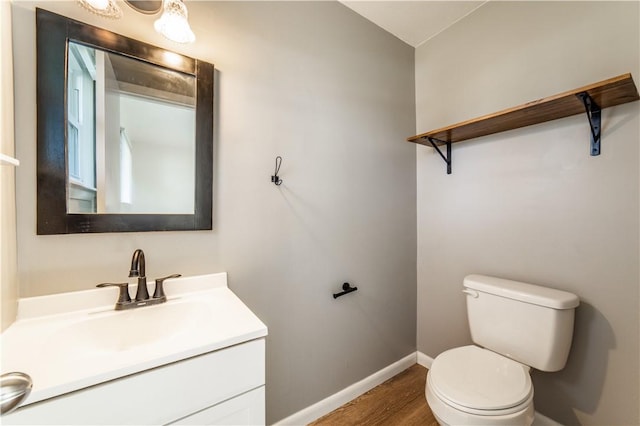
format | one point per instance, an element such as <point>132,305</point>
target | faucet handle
<point>123,297</point>
<point>159,291</point>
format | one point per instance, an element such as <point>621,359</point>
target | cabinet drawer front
<point>156,396</point>
<point>246,409</point>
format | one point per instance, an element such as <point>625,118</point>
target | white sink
<point>70,341</point>
<point>117,331</point>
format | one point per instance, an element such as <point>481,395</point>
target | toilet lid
<point>479,379</point>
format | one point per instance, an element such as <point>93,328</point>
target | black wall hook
<point>346,288</point>
<point>275,178</point>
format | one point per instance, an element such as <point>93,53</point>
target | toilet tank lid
<point>528,293</point>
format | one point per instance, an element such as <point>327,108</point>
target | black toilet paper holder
<point>346,289</point>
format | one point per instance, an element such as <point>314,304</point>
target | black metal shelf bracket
<point>446,159</point>
<point>594,116</point>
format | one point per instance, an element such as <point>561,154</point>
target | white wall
<point>8,258</point>
<point>162,137</point>
<point>334,96</point>
<point>531,204</point>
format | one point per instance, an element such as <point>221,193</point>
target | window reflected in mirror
<point>130,135</point>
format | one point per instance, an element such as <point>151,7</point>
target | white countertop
<point>70,341</point>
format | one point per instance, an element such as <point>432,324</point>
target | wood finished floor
<point>398,401</point>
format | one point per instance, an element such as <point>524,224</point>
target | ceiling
<point>414,22</point>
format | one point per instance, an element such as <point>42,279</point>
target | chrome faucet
<point>142,294</point>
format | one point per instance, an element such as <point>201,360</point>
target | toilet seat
<point>478,381</point>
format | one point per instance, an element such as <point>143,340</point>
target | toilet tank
<point>528,323</point>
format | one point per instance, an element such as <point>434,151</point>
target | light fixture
<point>105,8</point>
<point>173,23</point>
<point>147,7</point>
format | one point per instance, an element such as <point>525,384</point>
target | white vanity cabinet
<point>223,387</point>
<point>199,358</point>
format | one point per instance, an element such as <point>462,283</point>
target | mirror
<point>125,133</point>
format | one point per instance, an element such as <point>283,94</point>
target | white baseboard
<point>542,420</point>
<point>327,405</point>
<point>424,360</point>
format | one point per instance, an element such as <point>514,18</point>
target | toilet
<point>514,327</point>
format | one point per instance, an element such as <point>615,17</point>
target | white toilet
<point>516,326</point>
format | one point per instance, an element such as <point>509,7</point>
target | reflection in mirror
<point>130,135</point>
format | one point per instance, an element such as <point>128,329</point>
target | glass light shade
<point>173,23</point>
<point>105,8</point>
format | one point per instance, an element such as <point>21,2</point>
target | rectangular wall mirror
<point>125,133</point>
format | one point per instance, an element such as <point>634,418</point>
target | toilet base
<point>449,416</point>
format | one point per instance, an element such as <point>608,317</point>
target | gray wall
<point>334,96</point>
<point>531,204</point>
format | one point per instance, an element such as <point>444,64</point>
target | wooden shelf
<point>607,93</point>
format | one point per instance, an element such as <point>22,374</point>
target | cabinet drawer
<point>157,396</point>
<point>246,409</point>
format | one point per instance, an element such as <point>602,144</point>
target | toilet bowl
<point>515,326</point>
<point>474,386</point>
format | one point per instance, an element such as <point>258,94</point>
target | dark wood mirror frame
<point>53,33</point>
